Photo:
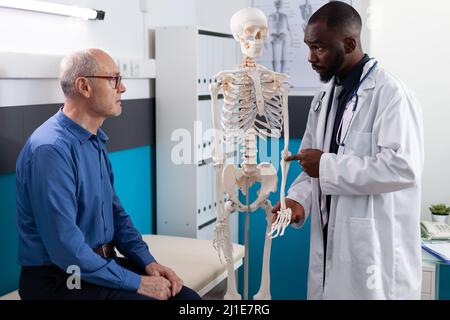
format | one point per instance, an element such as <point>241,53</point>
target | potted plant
<point>439,213</point>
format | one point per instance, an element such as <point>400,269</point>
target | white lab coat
<point>373,249</point>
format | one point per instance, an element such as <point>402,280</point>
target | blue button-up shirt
<point>66,205</point>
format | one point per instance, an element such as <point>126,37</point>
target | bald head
<point>77,64</point>
<point>81,63</point>
<point>339,17</point>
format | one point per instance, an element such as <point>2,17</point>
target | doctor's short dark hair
<point>338,15</point>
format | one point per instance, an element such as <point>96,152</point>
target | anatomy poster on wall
<point>284,49</point>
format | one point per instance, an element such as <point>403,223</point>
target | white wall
<point>121,33</point>
<point>216,15</point>
<point>171,12</point>
<point>410,39</point>
<point>362,6</point>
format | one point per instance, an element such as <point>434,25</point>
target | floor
<point>217,292</point>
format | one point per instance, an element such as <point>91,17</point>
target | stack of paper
<point>439,250</point>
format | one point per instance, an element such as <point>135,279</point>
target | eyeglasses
<point>115,84</point>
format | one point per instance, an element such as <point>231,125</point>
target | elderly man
<point>68,214</point>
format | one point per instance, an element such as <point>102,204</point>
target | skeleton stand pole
<point>247,225</point>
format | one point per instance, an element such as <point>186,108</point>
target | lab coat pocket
<point>360,244</point>
<point>359,144</point>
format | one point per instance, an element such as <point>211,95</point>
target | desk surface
<point>429,259</point>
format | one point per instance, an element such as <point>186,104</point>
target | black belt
<point>106,251</point>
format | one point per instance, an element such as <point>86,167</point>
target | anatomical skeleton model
<point>255,104</point>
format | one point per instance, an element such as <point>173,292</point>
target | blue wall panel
<point>133,183</point>
<point>290,253</point>
<point>9,269</point>
<point>443,276</point>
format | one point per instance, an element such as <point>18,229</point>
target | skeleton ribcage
<point>240,111</point>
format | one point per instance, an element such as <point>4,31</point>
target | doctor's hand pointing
<point>309,159</point>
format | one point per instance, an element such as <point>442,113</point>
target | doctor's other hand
<point>155,287</point>
<point>156,269</point>
<point>309,159</point>
<point>298,212</point>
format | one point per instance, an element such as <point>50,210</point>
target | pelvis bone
<point>265,174</point>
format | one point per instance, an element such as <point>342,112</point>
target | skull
<point>249,27</point>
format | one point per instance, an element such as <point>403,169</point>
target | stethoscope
<point>349,113</point>
<point>347,118</point>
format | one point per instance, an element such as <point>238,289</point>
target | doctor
<point>362,159</point>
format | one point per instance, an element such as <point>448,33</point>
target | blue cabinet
<point>435,278</point>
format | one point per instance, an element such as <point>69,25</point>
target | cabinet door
<point>428,282</point>
<point>203,132</point>
<point>202,64</point>
<point>425,296</point>
<point>202,195</point>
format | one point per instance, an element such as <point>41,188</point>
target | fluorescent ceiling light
<point>54,8</point>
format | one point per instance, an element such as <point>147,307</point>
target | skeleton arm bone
<point>222,234</point>
<point>284,164</point>
<point>217,152</point>
<point>284,215</point>
<point>221,230</point>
